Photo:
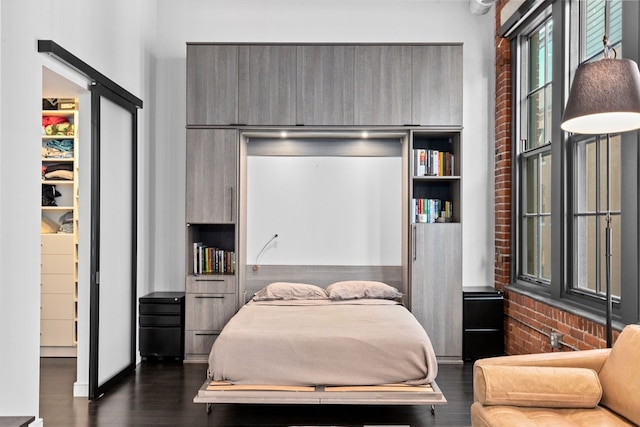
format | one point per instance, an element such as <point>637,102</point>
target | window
<point>535,155</point>
<point>597,169</point>
<point>573,184</point>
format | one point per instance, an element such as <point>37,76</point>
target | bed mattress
<point>323,342</point>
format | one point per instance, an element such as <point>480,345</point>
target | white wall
<point>118,38</point>
<point>114,37</point>
<point>326,21</point>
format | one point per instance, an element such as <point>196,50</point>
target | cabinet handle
<point>231,205</point>
<point>203,334</point>
<point>209,296</point>
<point>413,242</point>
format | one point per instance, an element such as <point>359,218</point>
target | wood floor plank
<point>161,394</point>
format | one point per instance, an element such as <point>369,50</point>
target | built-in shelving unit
<point>414,89</point>
<point>59,228</point>
<point>436,238</point>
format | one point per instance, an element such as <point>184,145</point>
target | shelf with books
<point>212,249</point>
<point>435,177</point>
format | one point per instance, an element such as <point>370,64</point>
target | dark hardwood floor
<point>160,394</point>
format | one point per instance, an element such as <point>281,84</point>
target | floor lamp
<point>604,99</point>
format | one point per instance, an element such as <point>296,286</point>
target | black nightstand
<point>483,322</point>
<point>162,326</point>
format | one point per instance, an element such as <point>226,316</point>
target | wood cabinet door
<point>212,84</point>
<point>436,85</point>
<point>382,85</point>
<point>325,85</point>
<point>267,82</point>
<point>436,285</point>
<point>211,176</point>
<point>208,312</point>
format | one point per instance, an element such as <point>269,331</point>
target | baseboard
<point>80,390</point>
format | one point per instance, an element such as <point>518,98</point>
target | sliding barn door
<point>113,235</point>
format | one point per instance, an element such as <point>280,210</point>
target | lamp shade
<point>604,98</point>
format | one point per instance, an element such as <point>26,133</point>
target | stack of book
<point>431,210</point>
<point>211,260</point>
<point>428,162</point>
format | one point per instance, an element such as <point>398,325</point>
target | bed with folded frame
<point>351,343</point>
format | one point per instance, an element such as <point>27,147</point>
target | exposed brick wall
<point>528,323</point>
<point>502,157</point>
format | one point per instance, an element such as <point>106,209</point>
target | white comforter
<point>318,342</point>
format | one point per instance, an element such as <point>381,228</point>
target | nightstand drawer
<point>211,284</point>
<point>209,312</point>
<point>199,343</point>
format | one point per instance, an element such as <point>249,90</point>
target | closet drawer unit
<point>209,312</point>
<point>57,264</point>
<point>199,344</point>
<point>211,284</point>
<point>57,284</point>
<point>161,324</point>
<point>56,333</point>
<point>57,243</point>
<point>57,307</point>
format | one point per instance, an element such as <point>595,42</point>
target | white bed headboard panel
<point>326,209</point>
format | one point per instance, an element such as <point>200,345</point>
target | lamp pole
<point>609,302</point>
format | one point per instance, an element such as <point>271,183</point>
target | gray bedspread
<point>358,342</point>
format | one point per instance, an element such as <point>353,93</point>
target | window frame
<point>524,151</point>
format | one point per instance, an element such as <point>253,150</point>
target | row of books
<point>428,162</point>
<point>211,260</point>
<point>431,210</point>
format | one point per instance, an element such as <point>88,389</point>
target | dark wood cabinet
<point>483,322</point>
<point>161,320</point>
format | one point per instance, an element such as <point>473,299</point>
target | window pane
<point>594,30</point>
<point>547,117</point>
<point>549,51</point>
<point>615,256</point>
<point>536,120</point>
<point>615,173</point>
<point>581,260</point>
<point>545,247</point>
<point>532,185</point>
<point>545,183</point>
<point>616,236</point>
<point>615,23</point>
<point>531,262</point>
<point>585,253</point>
<point>537,56</point>
<point>585,177</point>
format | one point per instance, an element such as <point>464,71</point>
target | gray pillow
<point>359,289</point>
<point>289,291</point>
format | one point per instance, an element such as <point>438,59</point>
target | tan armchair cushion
<point>620,375</point>
<point>533,386</point>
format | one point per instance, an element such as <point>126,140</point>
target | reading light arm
<point>264,248</point>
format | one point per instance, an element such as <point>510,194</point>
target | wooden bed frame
<point>391,394</point>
